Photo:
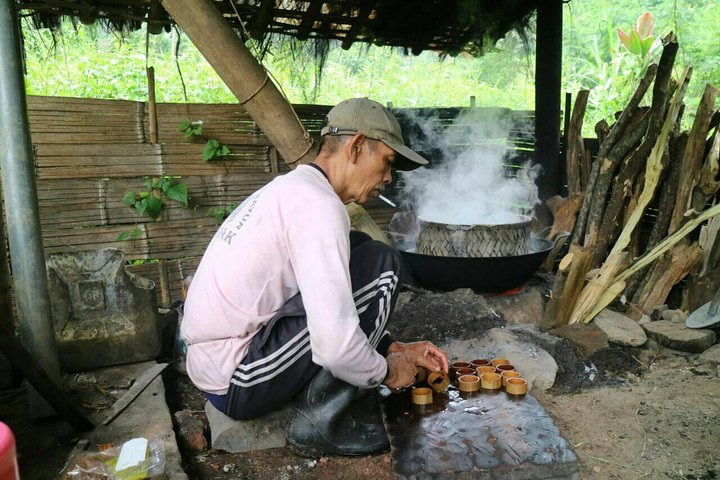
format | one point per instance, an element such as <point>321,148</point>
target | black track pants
<point>279,362</point>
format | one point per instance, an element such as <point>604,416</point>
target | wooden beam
<point>311,15</point>
<point>357,26</point>
<point>263,16</point>
<point>245,77</point>
<point>548,69</point>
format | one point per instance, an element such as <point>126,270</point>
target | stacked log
<point>643,157</point>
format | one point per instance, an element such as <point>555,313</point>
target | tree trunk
<point>550,316</point>
<point>693,156</point>
<point>575,147</point>
<point>668,271</point>
<point>637,160</point>
<point>607,144</point>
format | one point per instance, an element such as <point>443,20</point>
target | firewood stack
<point>643,156</point>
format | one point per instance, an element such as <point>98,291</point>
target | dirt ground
<point>637,413</point>
<point>663,423</point>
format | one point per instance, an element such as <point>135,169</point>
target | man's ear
<point>354,147</point>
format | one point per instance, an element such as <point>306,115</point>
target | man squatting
<point>288,299</point>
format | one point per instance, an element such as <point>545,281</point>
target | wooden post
<point>152,107</point>
<point>548,69</point>
<point>19,190</point>
<point>245,77</point>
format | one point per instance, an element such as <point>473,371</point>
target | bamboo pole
<point>245,76</point>
<point>251,84</point>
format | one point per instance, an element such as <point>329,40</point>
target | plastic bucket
<point>8,458</point>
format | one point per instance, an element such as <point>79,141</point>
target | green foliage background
<point>87,61</point>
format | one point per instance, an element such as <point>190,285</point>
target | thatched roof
<point>446,26</point>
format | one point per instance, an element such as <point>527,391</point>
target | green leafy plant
<point>130,234</point>
<point>214,149</point>
<point>150,201</point>
<point>221,213</point>
<point>190,129</point>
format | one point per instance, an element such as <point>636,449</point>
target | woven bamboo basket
<point>446,240</point>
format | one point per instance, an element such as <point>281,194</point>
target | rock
<point>677,316</point>
<point>657,311</point>
<point>678,336</point>
<point>711,356</point>
<point>526,306</point>
<point>588,339</point>
<point>535,364</point>
<point>236,436</point>
<point>191,431</point>
<point>644,319</point>
<point>620,329</point>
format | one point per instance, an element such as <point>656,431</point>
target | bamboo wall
<point>90,152</point>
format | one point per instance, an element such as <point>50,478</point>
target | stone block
<point>588,338</point>
<point>678,336</point>
<point>482,435</point>
<point>620,329</point>
<point>103,314</point>
<point>236,436</point>
<point>535,364</point>
<point>711,356</point>
<point>525,307</point>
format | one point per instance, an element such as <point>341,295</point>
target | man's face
<point>372,170</point>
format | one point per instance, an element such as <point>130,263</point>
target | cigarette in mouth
<point>386,200</point>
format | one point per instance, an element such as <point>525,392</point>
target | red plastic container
<point>8,459</point>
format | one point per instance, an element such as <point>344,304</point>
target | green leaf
<point>224,151</point>
<point>185,128</point>
<point>178,193</point>
<point>143,195</point>
<point>123,236</point>
<point>136,232</point>
<point>141,206</point>
<point>129,199</point>
<point>210,148</point>
<point>148,183</point>
<point>635,43</point>
<point>154,205</point>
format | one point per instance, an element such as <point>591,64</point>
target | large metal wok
<point>482,274</point>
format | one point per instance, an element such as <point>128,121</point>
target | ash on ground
<point>464,315</point>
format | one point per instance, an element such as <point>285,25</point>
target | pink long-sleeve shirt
<point>290,236</point>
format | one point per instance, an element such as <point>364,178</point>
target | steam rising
<point>471,186</point>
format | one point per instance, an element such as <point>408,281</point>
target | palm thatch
<point>445,26</point>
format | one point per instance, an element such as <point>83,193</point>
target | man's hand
<point>404,358</point>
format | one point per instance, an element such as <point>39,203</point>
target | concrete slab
<point>147,416</point>
<point>481,435</point>
<point>236,436</point>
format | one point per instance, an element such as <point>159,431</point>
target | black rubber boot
<point>323,424</point>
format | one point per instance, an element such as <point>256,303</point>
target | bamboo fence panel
<point>90,152</point>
